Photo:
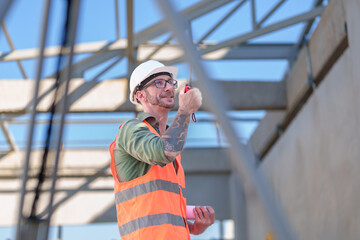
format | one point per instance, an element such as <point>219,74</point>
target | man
<point>146,162</point>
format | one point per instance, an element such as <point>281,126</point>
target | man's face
<point>162,97</point>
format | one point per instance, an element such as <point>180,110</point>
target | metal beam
<point>8,136</point>
<point>258,24</point>
<point>12,47</point>
<point>96,59</point>
<point>262,31</point>
<point>254,51</point>
<point>4,7</point>
<point>165,52</point>
<point>55,50</point>
<point>221,21</point>
<point>194,11</point>
<point>226,46</point>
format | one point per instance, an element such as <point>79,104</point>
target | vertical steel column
<point>59,236</point>
<point>242,160</point>
<point>253,14</point>
<point>117,25</point>
<point>130,36</point>
<point>34,104</point>
<point>63,104</point>
<point>29,230</point>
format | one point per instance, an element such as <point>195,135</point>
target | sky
<point>97,23</point>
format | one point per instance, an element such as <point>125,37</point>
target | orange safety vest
<point>152,206</point>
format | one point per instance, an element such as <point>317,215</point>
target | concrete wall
<point>314,166</point>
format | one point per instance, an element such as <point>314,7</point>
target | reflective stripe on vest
<point>151,206</point>
<point>147,187</point>
<point>151,220</point>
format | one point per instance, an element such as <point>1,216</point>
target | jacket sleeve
<point>135,138</point>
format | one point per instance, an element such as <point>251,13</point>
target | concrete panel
<point>112,95</point>
<point>314,166</point>
<point>105,96</point>
<point>256,219</point>
<point>209,189</point>
<point>238,207</point>
<point>95,162</point>
<point>297,80</point>
<point>328,39</point>
<point>352,8</point>
<point>256,95</point>
<point>267,128</point>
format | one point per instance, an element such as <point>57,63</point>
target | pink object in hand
<point>190,212</point>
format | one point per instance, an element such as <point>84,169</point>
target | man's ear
<point>140,96</point>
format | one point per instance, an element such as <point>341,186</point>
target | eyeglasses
<point>161,83</point>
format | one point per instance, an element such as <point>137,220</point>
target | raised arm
<point>175,136</point>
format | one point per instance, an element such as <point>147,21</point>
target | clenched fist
<point>190,101</point>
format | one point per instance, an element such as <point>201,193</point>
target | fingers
<point>212,213</point>
<point>182,89</point>
<point>191,101</point>
<point>205,214</point>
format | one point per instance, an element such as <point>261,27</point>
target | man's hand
<point>204,217</point>
<point>190,101</point>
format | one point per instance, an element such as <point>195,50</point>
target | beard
<point>161,100</point>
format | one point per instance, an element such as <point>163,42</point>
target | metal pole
<point>8,136</point>
<point>4,7</point>
<point>269,13</point>
<point>12,47</point>
<point>130,36</point>
<point>253,14</point>
<point>241,159</point>
<point>59,237</point>
<point>117,25</point>
<point>63,106</point>
<point>221,21</point>
<point>34,104</point>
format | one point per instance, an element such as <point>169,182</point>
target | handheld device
<point>187,88</point>
<point>190,212</point>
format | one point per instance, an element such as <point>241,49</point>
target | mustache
<point>166,95</point>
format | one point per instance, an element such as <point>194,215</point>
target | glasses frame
<point>167,81</point>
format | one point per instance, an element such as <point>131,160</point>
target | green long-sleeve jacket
<point>137,148</point>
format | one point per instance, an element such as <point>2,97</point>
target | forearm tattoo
<point>175,136</point>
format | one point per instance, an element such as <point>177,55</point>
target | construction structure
<point>295,176</point>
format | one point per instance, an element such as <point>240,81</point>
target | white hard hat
<point>144,71</point>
